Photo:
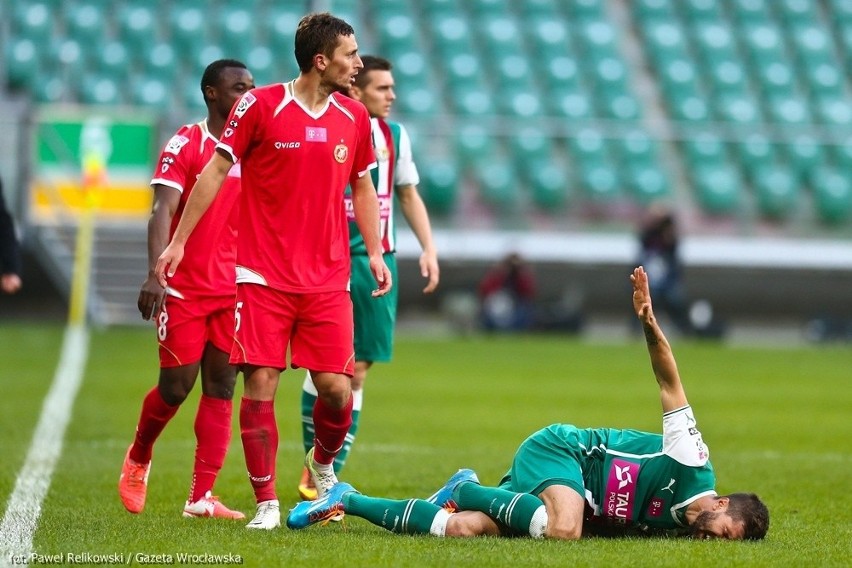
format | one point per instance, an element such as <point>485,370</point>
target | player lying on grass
<point>565,482</point>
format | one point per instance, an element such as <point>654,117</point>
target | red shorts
<point>185,326</point>
<point>317,327</point>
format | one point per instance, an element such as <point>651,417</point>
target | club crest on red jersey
<point>341,152</point>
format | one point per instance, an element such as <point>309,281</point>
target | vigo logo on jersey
<point>287,145</point>
<point>620,496</point>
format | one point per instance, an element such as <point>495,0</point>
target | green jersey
<point>395,168</point>
<point>630,479</point>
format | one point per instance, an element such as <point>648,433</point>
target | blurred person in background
<point>194,314</point>
<point>10,251</point>
<point>299,143</point>
<point>566,482</point>
<point>395,177</point>
<point>507,295</point>
<point>658,253</point>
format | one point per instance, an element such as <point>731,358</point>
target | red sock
<point>330,427</point>
<point>213,432</point>
<point>260,444</point>
<point>153,418</point>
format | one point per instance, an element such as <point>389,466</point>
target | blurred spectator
<point>506,295</point>
<point>658,253</point>
<point>10,251</point>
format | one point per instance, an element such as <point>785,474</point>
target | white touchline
<point>24,507</point>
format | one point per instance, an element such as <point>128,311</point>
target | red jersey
<point>208,267</point>
<point>293,232</point>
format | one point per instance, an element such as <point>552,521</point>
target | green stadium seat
<point>755,153</point>
<point>439,186</point>
<point>811,42</point>
<point>787,109</point>
<point>451,34</point>
<point>571,103</point>
<point>548,183</point>
<point>498,184</point>
<point>689,106</point>
<point>727,76</point>
<point>530,145</point>
<point>803,154</point>
<point>110,59</point>
<point>160,60</point>
<point>513,69</point>
<point>51,88</point>
<point>499,33</point>
<point>33,21</point>
<point>824,79</point>
<point>701,10</point>
<point>706,148</point>
<point>86,23</point>
<point>717,187</point>
<point>261,62</point>
<point>100,90</point>
<point>737,108</point>
<point>543,8</point>
<point>665,40</point>
<point>281,22</point>
<point>796,11</point>
<point>68,58</point>
<point>193,100</point>
<point>586,9</point>
<point>776,190</point>
<point>137,26</point>
<point>150,91</point>
<point>841,154</point>
<point>521,101</point>
<point>474,143</point>
<point>653,9</point>
<point>833,110</point>
<point>776,78</point>
<point>561,71</point>
<point>832,194</point>
<point>439,8</point>
<point>714,40</point>
<point>237,26</point>
<point>647,182</point>
<point>488,7</point>
<point>549,35</point>
<point>750,10</point>
<point>463,68</point>
<point>473,100</point>
<point>598,35</point>
<point>22,62</point>
<point>396,31</point>
<point>189,26</point>
<point>594,168</point>
<point>618,105</point>
<point>764,43</point>
<point>841,10</point>
<point>418,101</point>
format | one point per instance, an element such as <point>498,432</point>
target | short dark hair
<point>752,512</point>
<point>213,73</point>
<point>318,33</point>
<point>371,63</point>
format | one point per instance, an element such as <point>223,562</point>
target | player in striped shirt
<point>396,180</point>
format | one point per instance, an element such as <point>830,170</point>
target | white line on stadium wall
<point>24,507</point>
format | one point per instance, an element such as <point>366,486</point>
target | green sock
<point>515,510</point>
<point>405,516</point>
<point>309,398</point>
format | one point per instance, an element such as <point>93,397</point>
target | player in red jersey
<point>300,143</point>
<point>194,314</point>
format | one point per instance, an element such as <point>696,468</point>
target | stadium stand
<point>530,106</point>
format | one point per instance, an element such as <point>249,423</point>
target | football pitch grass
<point>776,420</point>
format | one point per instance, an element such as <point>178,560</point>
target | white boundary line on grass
<point>22,512</point>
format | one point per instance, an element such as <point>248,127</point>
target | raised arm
<point>203,194</point>
<point>663,363</point>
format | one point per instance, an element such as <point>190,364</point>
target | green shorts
<point>375,318</point>
<point>551,456</point>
